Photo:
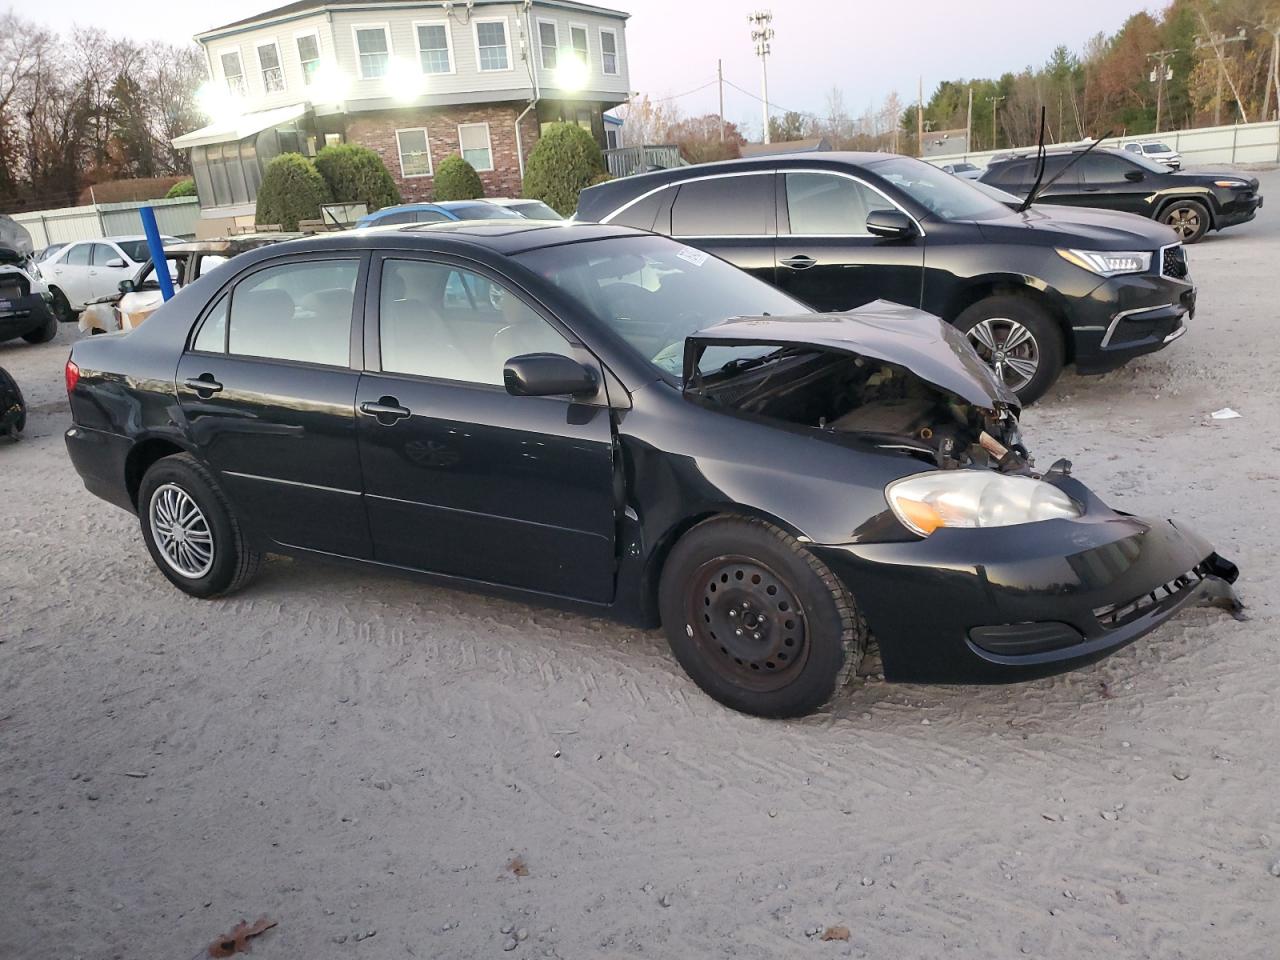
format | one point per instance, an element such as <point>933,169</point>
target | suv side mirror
<point>891,224</point>
<point>1134,176</point>
<point>548,375</point>
<point>127,286</point>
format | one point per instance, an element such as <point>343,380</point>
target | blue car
<point>438,213</point>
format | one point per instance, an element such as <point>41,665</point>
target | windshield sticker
<point>696,257</point>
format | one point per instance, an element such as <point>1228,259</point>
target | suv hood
<point>924,344</point>
<point>1081,227</point>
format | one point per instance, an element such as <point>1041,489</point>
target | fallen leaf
<point>517,867</point>
<point>835,933</point>
<point>237,941</point>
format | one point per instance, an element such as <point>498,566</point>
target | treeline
<point>86,108</point>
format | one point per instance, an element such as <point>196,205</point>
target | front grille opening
<point>1173,262</point>
<point>1115,615</point>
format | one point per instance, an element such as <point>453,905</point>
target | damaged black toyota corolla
<point>589,415</point>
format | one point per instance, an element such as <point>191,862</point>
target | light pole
<point>762,33</point>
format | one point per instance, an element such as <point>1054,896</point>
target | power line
<point>803,113</point>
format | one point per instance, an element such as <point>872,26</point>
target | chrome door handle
<point>387,410</point>
<point>204,384</point>
<point>800,262</point>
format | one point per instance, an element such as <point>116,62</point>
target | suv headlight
<point>975,498</point>
<point>1109,263</point>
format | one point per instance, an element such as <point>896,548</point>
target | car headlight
<point>1235,184</point>
<point>975,498</point>
<point>1109,263</point>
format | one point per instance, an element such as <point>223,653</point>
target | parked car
<point>14,236</point>
<point>1159,152</point>
<point>598,417</point>
<point>48,252</point>
<point>966,170</point>
<point>1190,203</point>
<point>13,408</point>
<point>1033,291</point>
<point>445,211</point>
<point>90,269</point>
<point>26,306</point>
<point>137,298</point>
<point>529,209</point>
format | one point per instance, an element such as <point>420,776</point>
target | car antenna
<point>1034,195</point>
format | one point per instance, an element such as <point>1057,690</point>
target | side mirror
<point>1134,176</point>
<point>114,262</point>
<point>548,375</point>
<point>891,224</point>
<point>127,286</point>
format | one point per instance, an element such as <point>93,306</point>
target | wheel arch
<point>1016,285</point>
<point>1205,200</point>
<point>142,456</point>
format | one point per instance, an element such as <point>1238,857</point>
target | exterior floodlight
<point>405,80</point>
<point>571,75</point>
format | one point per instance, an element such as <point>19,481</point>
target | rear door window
<point>724,207</point>
<point>296,311</point>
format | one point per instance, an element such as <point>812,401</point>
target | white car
<point>529,209</point>
<point>1157,151</point>
<point>90,269</point>
<point>965,171</point>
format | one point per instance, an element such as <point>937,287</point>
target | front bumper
<point>22,315</point>
<point>1128,316</point>
<point>1014,603</point>
<point>1237,211</point>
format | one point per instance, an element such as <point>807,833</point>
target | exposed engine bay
<point>882,403</point>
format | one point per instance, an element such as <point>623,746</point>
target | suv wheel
<point>1188,218</point>
<point>1019,340</point>
<point>758,622</point>
<point>191,530</point>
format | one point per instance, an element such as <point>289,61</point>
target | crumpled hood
<point>922,343</point>
<point>1081,227</point>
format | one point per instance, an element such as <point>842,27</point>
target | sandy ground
<point>360,757</point>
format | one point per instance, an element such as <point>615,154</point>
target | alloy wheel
<point>181,531</point>
<point>1009,348</point>
<point>748,622</point>
<point>1185,222</point>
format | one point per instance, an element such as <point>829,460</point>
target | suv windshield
<point>1155,148</point>
<point>947,197</point>
<point>653,292</point>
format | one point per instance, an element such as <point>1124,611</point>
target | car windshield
<point>1155,148</point>
<point>963,167</point>
<point>536,210</point>
<point>135,250</point>
<point>948,197</point>
<point>483,211</point>
<point>654,292</point>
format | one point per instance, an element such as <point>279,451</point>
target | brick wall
<point>377,131</point>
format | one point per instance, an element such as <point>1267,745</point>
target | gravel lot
<point>361,758</point>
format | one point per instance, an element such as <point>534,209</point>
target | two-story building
<point>415,81</point>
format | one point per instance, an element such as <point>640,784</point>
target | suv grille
<point>1173,262</point>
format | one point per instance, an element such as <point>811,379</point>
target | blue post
<point>152,230</point>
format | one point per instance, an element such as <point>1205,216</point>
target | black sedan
<point>594,416</point>
<point>1191,203</point>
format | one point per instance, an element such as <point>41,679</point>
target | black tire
<point>43,333</point>
<point>994,321</point>
<point>1189,219</point>
<point>13,409</point>
<point>232,563</point>
<point>62,306</point>
<point>803,632</point>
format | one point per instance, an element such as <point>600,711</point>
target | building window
<point>609,52</point>
<point>473,141</point>
<point>233,71</point>
<point>435,48</point>
<point>578,38</point>
<point>269,63</point>
<point>611,138</point>
<point>374,50</point>
<point>492,51</point>
<point>415,157</point>
<point>309,55</point>
<point>548,44</point>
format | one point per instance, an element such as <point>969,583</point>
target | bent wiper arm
<point>1040,159</point>
<point>1069,164</point>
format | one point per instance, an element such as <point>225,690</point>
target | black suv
<point>1191,203</point>
<point>1033,290</point>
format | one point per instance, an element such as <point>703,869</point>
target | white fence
<point>176,218</point>
<point>1239,143</point>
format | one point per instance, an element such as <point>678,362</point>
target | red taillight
<point>73,375</point>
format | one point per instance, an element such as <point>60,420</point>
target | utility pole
<point>1218,41</point>
<point>995,105</point>
<point>762,33</point>
<point>1160,74</point>
<point>720,78</point>
<point>968,125</point>
<point>1273,28</point>
<point>920,118</point>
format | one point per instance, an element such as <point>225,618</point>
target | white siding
<point>337,51</point>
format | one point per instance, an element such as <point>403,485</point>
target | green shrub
<point>356,174</point>
<point>456,179</point>
<point>566,160</point>
<point>183,188</point>
<point>292,190</point>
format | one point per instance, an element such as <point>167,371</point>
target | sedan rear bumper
<point>1014,603</point>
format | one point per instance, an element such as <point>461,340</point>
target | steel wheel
<point>1185,221</point>
<point>747,619</point>
<point>1009,348</point>
<point>181,531</point>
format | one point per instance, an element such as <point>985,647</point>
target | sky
<point>866,47</point>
